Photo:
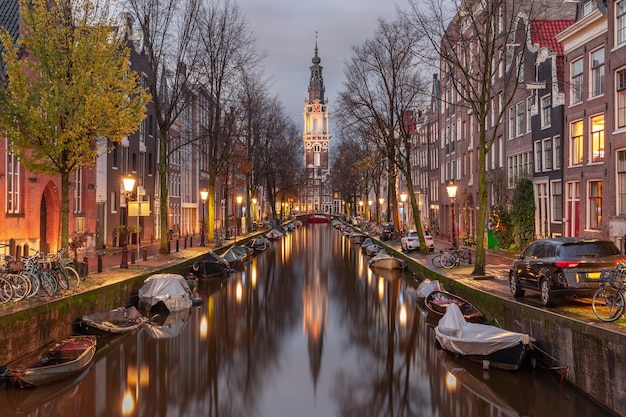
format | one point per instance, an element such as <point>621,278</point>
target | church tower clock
<point>316,195</point>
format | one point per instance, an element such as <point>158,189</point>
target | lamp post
<point>369,205</point>
<point>360,207</point>
<point>204,194</point>
<point>451,189</point>
<point>254,200</point>
<point>129,184</point>
<point>403,199</point>
<point>239,200</point>
<point>380,208</point>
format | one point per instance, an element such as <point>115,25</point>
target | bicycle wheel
<point>437,260</point>
<point>48,284</point>
<point>20,285</point>
<point>448,260</point>
<point>6,291</point>
<point>608,303</point>
<point>60,278</point>
<point>73,279</point>
<point>35,285</point>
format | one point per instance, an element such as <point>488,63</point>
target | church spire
<point>316,82</point>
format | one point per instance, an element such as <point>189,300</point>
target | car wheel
<point>544,292</point>
<point>514,285</point>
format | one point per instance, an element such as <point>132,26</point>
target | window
<point>620,22</point>
<point>521,124</point>
<point>520,166</point>
<point>530,101</point>
<point>538,156</point>
<point>512,121</point>
<point>621,182</point>
<point>620,87</point>
<point>78,191</point>
<point>595,204</point>
<point>587,8</point>
<point>12,180</point>
<point>556,141</point>
<point>577,81</point>
<point>576,151</point>
<point>557,201</point>
<point>597,72</point>
<point>546,111</point>
<point>597,138</point>
<point>547,154</point>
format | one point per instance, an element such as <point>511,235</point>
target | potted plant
<point>134,233</point>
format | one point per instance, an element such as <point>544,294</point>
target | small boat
<point>210,265</point>
<point>357,238</point>
<point>235,256</point>
<point>259,244</point>
<point>169,290</point>
<point>274,234</point>
<point>52,363</point>
<point>483,343</point>
<point>367,242</point>
<point>317,218</point>
<point>372,250</point>
<point>384,260</point>
<point>437,302</point>
<point>426,287</point>
<point>116,321</point>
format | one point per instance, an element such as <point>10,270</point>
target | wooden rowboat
<point>52,363</point>
<point>437,303</point>
<point>116,321</point>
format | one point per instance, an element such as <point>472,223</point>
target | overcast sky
<point>286,30</point>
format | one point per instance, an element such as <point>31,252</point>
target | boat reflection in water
<point>306,329</point>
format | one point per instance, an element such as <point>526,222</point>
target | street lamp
<point>129,184</point>
<point>451,189</point>
<point>403,199</point>
<point>204,194</point>
<point>369,204</point>
<point>254,200</point>
<point>380,208</point>
<point>239,200</point>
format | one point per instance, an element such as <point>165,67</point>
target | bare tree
<point>168,34</point>
<point>383,86</point>
<point>471,44</point>
<point>228,51</point>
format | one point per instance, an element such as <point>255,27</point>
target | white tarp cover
<point>172,289</point>
<point>455,334</point>
<point>427,286</point>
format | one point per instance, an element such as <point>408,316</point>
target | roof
<point>9,20</point>
<point>543,33</point>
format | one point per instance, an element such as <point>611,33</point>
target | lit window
<point>576,133</point>
<point>12,180</point>
<point>597,72</point>
<point>577,81</point>
<point>597,138</point>
<point>595,204</point>
<point>621,182</point>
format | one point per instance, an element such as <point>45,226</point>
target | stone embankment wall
<point>590,357</point>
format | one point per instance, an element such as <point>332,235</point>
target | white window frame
<point>620,22</point>
<point>546,111</point>
<point>596,72</point>
<point>577,80</point>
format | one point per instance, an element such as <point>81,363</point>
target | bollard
<point>176,245</point>
<point>185,243</point>
<point>99,262</point>
<point>191,241</point>
<point>132,256</point>
<point>145,254</point>
<point>169,246</point>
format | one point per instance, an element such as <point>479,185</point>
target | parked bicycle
<point>452,257</point>
<point>608,301</point>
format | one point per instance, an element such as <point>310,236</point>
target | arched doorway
<point>49,219</point>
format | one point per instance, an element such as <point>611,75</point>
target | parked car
<point>562,266</point>
<point>387,231</point>
<point>411,241</point>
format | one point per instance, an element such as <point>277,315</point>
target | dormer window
<point>588,7</point>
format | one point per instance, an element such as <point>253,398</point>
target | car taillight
<point>566,264</point>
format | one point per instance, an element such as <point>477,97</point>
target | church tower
<point>316,195</point>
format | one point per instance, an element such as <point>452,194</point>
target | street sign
<point>138,208</point>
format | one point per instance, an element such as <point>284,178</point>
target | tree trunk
<point>164,212</point>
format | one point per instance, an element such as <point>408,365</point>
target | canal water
<point>306,329</point>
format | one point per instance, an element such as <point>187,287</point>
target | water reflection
<point>306,329</point>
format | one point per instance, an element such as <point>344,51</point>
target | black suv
<point>562,266</point>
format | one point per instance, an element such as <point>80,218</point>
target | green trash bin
<point>492,242</point>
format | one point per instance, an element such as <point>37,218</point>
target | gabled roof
<point>9,20</point>
<point>543,33</point>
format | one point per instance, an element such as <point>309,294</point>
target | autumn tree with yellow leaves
<point>69,84</point>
